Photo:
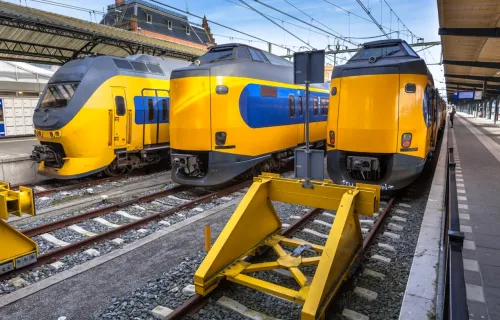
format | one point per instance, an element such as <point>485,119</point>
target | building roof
<point>121,16</point>
<point>470,42</point>
<point>33,35</point>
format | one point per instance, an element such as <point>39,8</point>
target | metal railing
<point>455,297</point>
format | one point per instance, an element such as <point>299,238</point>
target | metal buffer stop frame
<point>256,227</point>
<point>16,250</point>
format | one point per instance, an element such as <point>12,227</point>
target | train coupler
<point>17,250</point>
<point>255,226</point>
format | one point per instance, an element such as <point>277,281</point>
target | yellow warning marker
<point>255,225</point>
<point>208,238</point>
<point>16,250</point>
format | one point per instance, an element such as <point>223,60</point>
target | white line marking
<point>54,240</point>
<point>381,258</point>
<point>463,206</point>
<point>464,216</point>
<point>316,233</point>
<point>471,265</point>
<point>353,315</point>
<point>474,293</point>
<point>392,235</point>
<point>386,246</point>
<point>323,223</point>
<point>365,293</point>
<point>469,245</point>
<point>460,191</point>
<point>396,218</point>
<point>465,228</point>
<point>462,198</point>
<point>460,180</point>
<point>373,273</point>
<point>106,222</point>
<point>329,215</point>
<point>241,309</point>
<point>80,230</point>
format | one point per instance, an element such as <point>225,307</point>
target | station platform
<point>16,165</point>
<point>477,144</point>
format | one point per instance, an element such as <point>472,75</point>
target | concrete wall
<point>19,170</point>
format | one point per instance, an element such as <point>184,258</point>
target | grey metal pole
<point>307,183</point>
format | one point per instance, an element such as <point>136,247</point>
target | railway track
<point>78,224</point>
<point>312,227</point>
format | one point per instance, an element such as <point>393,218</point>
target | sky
<point>420,17</point>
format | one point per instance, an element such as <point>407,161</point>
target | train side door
<point>150,116</point>
<point>163,107</point>
<point>120,115</point>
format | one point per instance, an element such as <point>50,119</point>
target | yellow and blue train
<point>384,116</point>
<point>236,110</point>
<point>106,114</point>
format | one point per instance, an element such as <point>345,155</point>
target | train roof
<point>272,58</point>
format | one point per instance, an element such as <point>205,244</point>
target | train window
<point>409,50</point>
<point>188,30</point>
<point>266,91</point>
<point>301,110</point>
<point>151,110</point>
<point>154,68</point>
<point>164,109</point>
<point>277,60</point>
<point>58,95</point>
<point>242,53</point>
<point>149,18</point>
<point>257,55</point>
<point>139,66</point>
<point>315,106</point>
<point>122,64</point>
<point>389,51</point>
<point>324,106</point>
<point>120,106</point>
<point>214,55</point>
<point>291,105</point>
<point>169,24</point>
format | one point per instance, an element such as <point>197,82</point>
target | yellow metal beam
<point>343,246</point>
<point>15,202</point>
<point>256,225</point>
<point>271,288</point>
<point>253,221</point>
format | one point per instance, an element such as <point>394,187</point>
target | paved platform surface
<point>11,148</point>
<point>478,186</point>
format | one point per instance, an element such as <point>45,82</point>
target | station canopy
<point>470,37</point>
<point>37,36</point>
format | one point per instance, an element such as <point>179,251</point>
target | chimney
<point>119,2</point>
<point>207,29</point>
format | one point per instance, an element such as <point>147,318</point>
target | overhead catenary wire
<point>219,24</point>
<point>399,19</point>
<point>343,38</point>
<point>269,19</point>
<point>373,18</point>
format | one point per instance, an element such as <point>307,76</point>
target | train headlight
<point>332,138</point>
<point>406,140</point>
<point>220,138</point>
<point>221,90</point>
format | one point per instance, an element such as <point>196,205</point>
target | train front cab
<point>381,117</point>
<point>230,115</point>
<point>100,114</point>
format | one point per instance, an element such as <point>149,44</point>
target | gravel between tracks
<point>107,246</point>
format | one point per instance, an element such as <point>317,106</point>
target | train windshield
<point>389,51</point>
<point>217,55</point>
<point>58,95</point>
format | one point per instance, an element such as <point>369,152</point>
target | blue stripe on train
<point>261,112</point>
<point>150,109</point>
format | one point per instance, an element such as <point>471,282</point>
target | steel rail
<point>58,224</point>
<point>76,246</point>
<point>197,301</point>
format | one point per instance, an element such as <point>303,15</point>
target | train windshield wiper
<point>390,53</point>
